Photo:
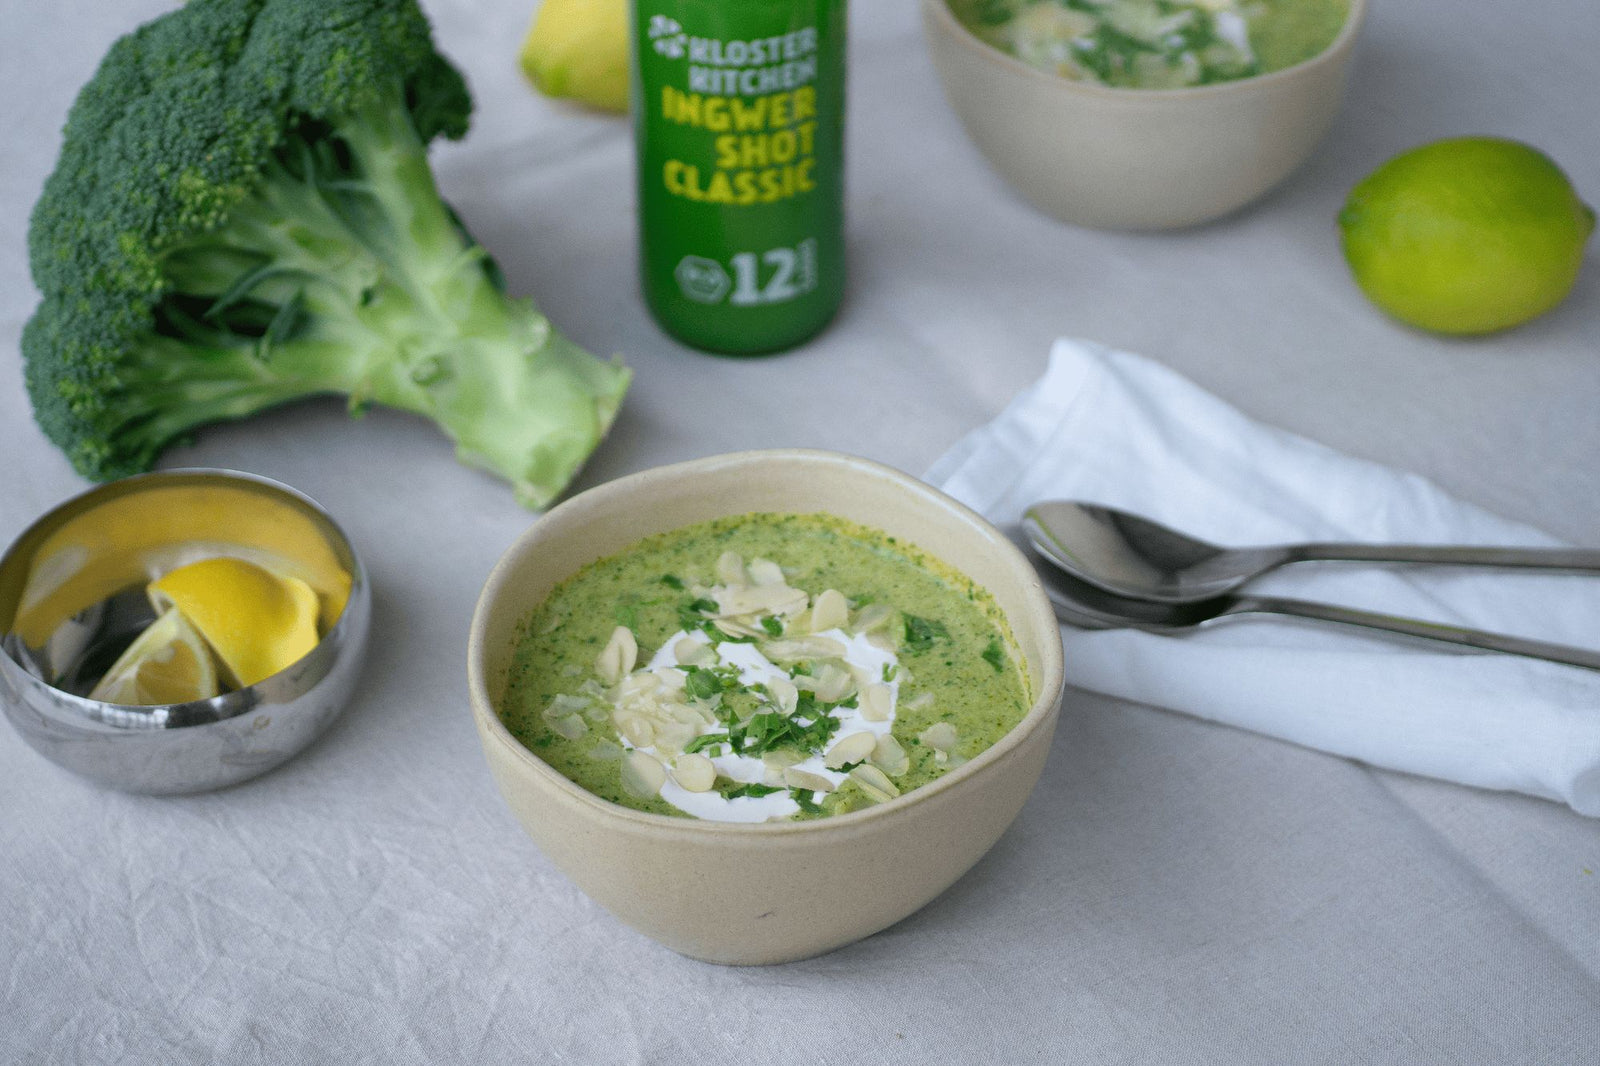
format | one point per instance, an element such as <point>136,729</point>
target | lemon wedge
<point>256,620</point>
<point>167,663</point>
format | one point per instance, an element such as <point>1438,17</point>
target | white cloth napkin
<point>1118,429</point>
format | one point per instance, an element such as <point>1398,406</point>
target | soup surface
<point>761,667</point>
<point>1156,44</point>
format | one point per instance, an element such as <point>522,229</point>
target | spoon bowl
<point>1127,555</point>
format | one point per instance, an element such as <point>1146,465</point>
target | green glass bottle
<point>738,111</point>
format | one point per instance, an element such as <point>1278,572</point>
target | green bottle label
<point>738,113</point>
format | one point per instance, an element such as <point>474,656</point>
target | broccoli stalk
<point>346,273</point>
<point>323,262</point>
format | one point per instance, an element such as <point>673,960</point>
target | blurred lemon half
<point>1469,235</point>
<point>578,49</point>
<point>257,621</point>
<point>167,663</point>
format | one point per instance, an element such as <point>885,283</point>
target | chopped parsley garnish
<point>806,801</point>
<point>705,741</point>
<point>889,670</point>
<point>994,654</point>
<point>738,789</point>
<point>709,682</point>
<point>692,613</point>
<point>773,625</point>
<point>768,731</point>
<point>921,633</point>
<point>672,581</point>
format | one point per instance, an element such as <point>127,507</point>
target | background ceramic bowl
<point>205,744</point>
<point>1136,158</point>
<point>775,892</point>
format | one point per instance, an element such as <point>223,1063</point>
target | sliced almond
<point>637,729</point>
<point>572,727</point>
<point>873,616</point>
<point>874,782</point>
<point>805,779</point>
<point>694,772</point>
<point>675,736</point>
<point>832,683</point>
<point>853,748</point>
<point>606,750</point>
<point>877,702</point>
<point>799,649</point>
<point>682,712</point>
<point>643,685</point>
<point>565,706</point>
<point>940,736</point>
<point>765,572</point>
<point>616,660</point>
<point>739,627</point>
<point>889,756</point>
<point>642,774</point>
<point>730,569</point>
<point>830,611</point>
<point>785,696</point>
<point>742,600</point>
<point>691,652</point>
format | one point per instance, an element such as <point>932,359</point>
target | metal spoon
<point>1132,556</point>
<point>1082,604</point>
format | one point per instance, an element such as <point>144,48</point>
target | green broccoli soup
<point>1156,44</point>
<point>763,667</point>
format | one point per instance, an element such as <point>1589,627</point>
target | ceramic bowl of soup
<point>761,705</point>
<point>1084,120</point>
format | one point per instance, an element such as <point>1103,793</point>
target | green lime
<point>1469,235</point>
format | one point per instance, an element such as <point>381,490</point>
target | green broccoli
<point>243,214</point>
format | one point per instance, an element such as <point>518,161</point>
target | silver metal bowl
<point>188,747</point>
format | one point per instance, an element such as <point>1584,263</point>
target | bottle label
<point>754,101</point>
<point>750,278</point>
<point>738,110</point>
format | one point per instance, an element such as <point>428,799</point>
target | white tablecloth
<point>1175,891</point>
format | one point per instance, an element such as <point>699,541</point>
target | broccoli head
<point>243,214</point>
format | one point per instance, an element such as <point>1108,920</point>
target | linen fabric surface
<point>1117,429</point>
<point>1175,890</point>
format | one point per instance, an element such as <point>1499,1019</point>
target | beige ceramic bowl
<point>1137,158</point>
<point>765,893</point>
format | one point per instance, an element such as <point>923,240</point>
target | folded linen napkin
<point>1117,429</point>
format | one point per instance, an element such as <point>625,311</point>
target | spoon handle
<point>1412,627</point>
<point>1568,560</point>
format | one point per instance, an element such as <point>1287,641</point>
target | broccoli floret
<point>243,215</point>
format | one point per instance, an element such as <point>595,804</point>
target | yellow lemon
<point>1468,235</point>
<point>579,49</point>
<point>167,663</point>
<point>134,537</point>
<point>258,622</point>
